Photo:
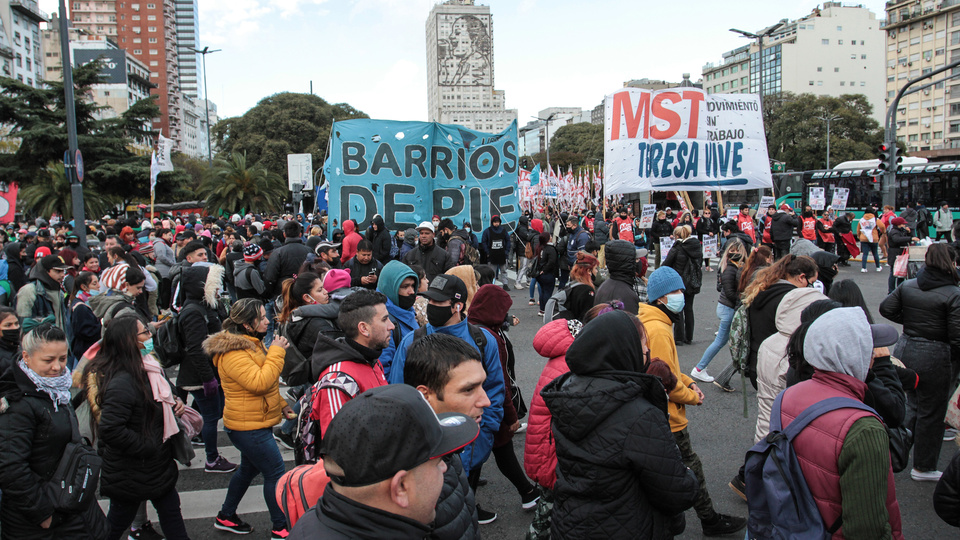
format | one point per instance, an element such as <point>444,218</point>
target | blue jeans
<point>725,314</point>
<point>258,455</point>
<point>211,409</point>
<point>872,247</point>
<point>533,285</point>
<point>270,312</point>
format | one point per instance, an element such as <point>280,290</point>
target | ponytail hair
<point>244,311</point>
<point>788,266</point>
<point>293,290</point>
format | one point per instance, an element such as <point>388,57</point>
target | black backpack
<point>170,348</point>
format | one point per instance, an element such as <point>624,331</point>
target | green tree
<point>797,133</point>
<point>50,194</point>
<point>232,184</point>
<point>281,124</point>
<point>37,118</point>
<point>584,138</point>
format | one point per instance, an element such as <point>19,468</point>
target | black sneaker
<point>724,386</point>
<point>484,517</point>
<point>279,534</point>
<point>738,487</point>
<point>197,441</point>
<point>723,525</point>
<point>285,439</point>
<point>232,524</point>
<point>145,532</point>
<point>529,501</point>
<point>220,465</point>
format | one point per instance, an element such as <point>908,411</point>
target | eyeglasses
<point>144,332</point>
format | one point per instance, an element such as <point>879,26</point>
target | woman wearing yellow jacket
<point>250,377</point>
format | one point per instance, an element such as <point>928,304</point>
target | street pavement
<point>720,434</point>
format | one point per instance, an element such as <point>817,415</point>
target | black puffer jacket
<point>842,225</point>
<point>686,258</point>
<point>783,226</point>
<point>622,263</point>
<point>897,241</point>
<point>432,259</point>
<point>284,263</point>
<point>198,319</point>
<point>381,240</point>
<point>137,464</point>
<point>619,472</point>
<point>946,497</point>
<point>34,436</point>
<point>928,307</point>
<point>456,507</point>
<point>729,291</point>
<point>601,231</point>
<point>15,269</point>
<point>659,229</point>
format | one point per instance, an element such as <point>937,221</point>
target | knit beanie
<point>663,281</point>
<point>336,279</point>
<point>252,253</point>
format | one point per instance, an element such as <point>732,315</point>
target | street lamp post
<point>206,98</point>
<point>70,164</point>
<point>759,37</point>
<point>827,118</point>
<point>547,144</point>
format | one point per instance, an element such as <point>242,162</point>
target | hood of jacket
<point>795,301</point>
<point>223,342</point>
<point>771,293</point>
<point>102,303</point>
<point>609,343</point>
<point>691,247</point>
<point>410,237</point>
<point>580,403</point>
<point>929,278</point>
<point>490,306</point>
<point>621,260</point>
<point>524,221</point>
<point>327,352</point>
<point>348,227</point>
<point>39,274</point>
<point>555,337</point>
<point>392,276</point>
<point>840,341</point>
<point>378,221</point>
<point>202,283</point>
<point>12,251</point>
<point>780,216</point>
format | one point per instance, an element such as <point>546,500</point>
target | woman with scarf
<point>490,310</point>
<point>86,325</point>
<point>132,404</point>
<point>36,421</point>
<point>249,375</point>
<point>928,307</point>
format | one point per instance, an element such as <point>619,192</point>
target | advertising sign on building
<point>683,139</point>
<point>410,171</point>
<point>114,63</point>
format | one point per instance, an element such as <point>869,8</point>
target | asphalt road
<point>718,429</point>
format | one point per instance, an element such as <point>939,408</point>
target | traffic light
<point>889,160</point>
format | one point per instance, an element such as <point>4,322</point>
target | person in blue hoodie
<point>399,284</point>
<point>448,295</point>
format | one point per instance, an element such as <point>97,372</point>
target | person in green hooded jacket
<point>398,282</point>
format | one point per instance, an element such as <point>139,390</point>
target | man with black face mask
<point>577,238</point>
<point>448,296</point>
<point>399,284</point>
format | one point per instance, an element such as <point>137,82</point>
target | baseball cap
<point>325,246</point>
<point>390,429</point>
<point>446,287</point>
<point>883,335</point>
<point>426,225</point>
<point>49,262</point>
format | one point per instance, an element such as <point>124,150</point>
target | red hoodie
<point>350,240</point>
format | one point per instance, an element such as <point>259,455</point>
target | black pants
<point>927,405</point>
<point>122,512</point>
<point>510,468</point>
<point>781,248</point>
<point>703,505</point>
<point>683,329</point>
<point>164,293</point>
<point>942,234</point>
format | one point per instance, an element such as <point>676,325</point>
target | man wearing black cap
<point>495,242</point>
<point>43,295</point>
<point>383,455</point>
<point>447,295</point>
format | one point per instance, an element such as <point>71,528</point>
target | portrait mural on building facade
<point>464,50</point>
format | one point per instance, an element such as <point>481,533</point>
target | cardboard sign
<point>710,247</point>
<point>765,202</point>
<point>818,198</point>
<point>647,215</point>
<point>839,201</point>
<point>732,213</point>
<point>666,244</point>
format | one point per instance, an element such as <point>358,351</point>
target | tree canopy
<point>797,131</point>
<point>576,145</point>
<point>232,185</point>
<point>281,124</point>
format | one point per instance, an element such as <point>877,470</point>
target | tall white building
<point>187,21</point>
<point>460,68</point>
<point>20,44</point>
<point>835,50</point>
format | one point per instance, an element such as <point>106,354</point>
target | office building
<point>188,31</point>
<point>834,50</point>
<point>532,138</point>
<point>460,68</point>
<point>20,48</point>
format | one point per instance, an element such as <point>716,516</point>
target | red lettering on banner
<point>695,99</point>
<point>623,109</point>
<point>662,113</point>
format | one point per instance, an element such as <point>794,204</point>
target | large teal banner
<point>410,171</point>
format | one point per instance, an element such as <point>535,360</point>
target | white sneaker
<point>522,428</point>
<point>863,270</point>
<point>879,269</point>
<point>925,476</point>
<point>949,434</point>
<point>701,375</point>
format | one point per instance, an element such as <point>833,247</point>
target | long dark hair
<point>849,295</point>
<point>757,260</point>
<point>120,353</point>
<point>293,291</point>
<point>942,257</point>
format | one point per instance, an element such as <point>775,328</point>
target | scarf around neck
<point>161,394</point>
<point>58,388</point>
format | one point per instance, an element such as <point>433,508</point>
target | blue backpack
<point>781,505</point>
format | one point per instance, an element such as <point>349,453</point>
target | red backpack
<point>299,489</point>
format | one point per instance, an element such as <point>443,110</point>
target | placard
<point>647,215</point>
<point>666,244</point>
<point>710,248</point>
<point>839,201</point>
<point>732,213</point>
<point>818,198</point>
<point>765,202</point>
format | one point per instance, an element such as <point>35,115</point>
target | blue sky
<point>371,53</point>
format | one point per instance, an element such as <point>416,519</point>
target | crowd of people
<point>384,361</point>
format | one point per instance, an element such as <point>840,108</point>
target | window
<point>733,69</point>
<point>136,29</point>
<point>863,83</point>
<point>151,29</point>
<point>135,7</point>
<point>843,83</point>
<point>819,69</point>
<point>912,137</point>
<point>153,51</point>
<point>151,6</point>
<point>836,70</point>
<point>863,57</point>
<point>137,40</point>
<point>811,83</point>
<point>135,17</point>
<point>853,57</point>
<point>154,63</point>
<point>839,29</point>
<point>839,42</point>
<point>915,40</point>
<point>827,41</point>
<point>152,40</point>
<point>743,81</point>
<point>151,17</point>
<point>137,51</point>
<point>733,83</point>
<point>819,83</point>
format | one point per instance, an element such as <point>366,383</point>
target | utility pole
<point>206,97</point>
<point>70,163</point>
<point>827,118</point>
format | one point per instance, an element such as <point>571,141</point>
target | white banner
<point>818,198</point>
<point>164,151</point>
<point>710,248</point>
<point>683,139</point>
<point>765,202</point>
<point>839,201</point>
<point>647,215</point>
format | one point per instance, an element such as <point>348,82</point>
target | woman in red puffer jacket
<point>540,451</point>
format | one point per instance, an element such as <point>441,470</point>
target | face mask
<point>406,302</point>
<point>93,292</point>
<point>438,316</point>
<point>467,229</point>
<point>675,302</point>
<point>435,224</point>
<point>147,347</point>
<point>808,214</point>
<point>11,335</point>
<point>335,262</point>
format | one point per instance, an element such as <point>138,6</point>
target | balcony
<point>30,9</point>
